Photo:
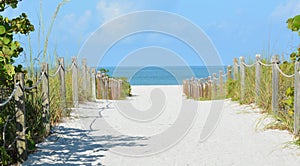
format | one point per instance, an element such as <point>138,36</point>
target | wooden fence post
<point>192,87</point>
<point>20,117</point>
<point>235,68</point>
<point>120,89</point>
<point>297,99</point>
<point>111,88</point>
<point>196,90</point>
<point>88,82</point>
<point>75,82</point>
<point>242,73</point>
<point>98,83</point>
<point>103,87</point>
<point>45,98</point>
<point>199,89</point>
<point>209,87</point>
<point>189,88</point>
<point>257,78</point>
<point>221,93</point>
<point>106,88</point>
<point>275,81</point>
<point>215,91</point>
<point>207,91</point>
<point>93,77</point>
<point>202,88</point>
<point>228,72</point>
<point>62,85</point>
<point>84,77</point>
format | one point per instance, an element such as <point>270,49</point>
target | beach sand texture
<point>145,131</point>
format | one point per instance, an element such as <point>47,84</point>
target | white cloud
<point>109,9</point>
<point>78,23</point>
<point>286,10</point>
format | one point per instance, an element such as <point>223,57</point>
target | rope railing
<point>206,87</point>
<point>57,70</point>
<point>281,72</point>
<point>249,65</point>
<point>8,119</point>
<point>70,69</point>
<point>18,95</point>
<point>10,96</point>
<point>37,82</point>
<point>265,64</point>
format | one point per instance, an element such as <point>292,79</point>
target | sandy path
<point>148,131</point>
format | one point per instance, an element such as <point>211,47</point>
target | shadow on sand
<point>71,146</point>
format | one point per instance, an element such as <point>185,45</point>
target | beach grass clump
<point>126,88</point>
<point>284,119</point>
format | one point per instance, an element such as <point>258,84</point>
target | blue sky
<point>236,28</point>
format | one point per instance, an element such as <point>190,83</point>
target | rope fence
<point>213,87</point>
<point>87,85</point>
<point>10,96</point>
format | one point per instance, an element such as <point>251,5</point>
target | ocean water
<point>169,75</point>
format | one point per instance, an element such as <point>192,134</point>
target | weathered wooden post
<point>102,87</point>
<point>242,73</point>
<point>221,93</point>
<point>46,98</point>
<point>115,88</point>
<point>88,82</point>
<point>106,87</point>
<point>235,68</point>
<point>207,91</point>
<point>199,89</point>
<point>196,89</point>
<point>257,78</point>
<point>111,81</point>
<point>98,87</point>
<point>209,87</point>
<point>189,88</point>
<point>192,87</point>
<point>84,78</point>
<point>93,77</point>
<point>215,87</point>
<point>20,117</point>
<point>202,87</point>
<point>120,88</point>
<point>75,82</point>
<point>228,72</point>
<point>62,85</point>
<point>275,82</point>
<point>297,99</point>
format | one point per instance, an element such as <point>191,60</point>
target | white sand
<point>164,131</point>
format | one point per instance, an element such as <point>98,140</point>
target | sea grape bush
<point>9,48</point>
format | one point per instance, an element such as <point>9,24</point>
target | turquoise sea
<point>169,75</point>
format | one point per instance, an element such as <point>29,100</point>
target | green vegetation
<point>285,118</point>
<point>9,50</point>
<point>126,88</point>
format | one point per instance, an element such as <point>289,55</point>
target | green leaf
<point>296,21</point>
<point>290,91</point>
<point>6,40</point>
<point>2,29</point>
<point>7,51</point>
<point>10,69</point>
<point>288,102</point>
<point>14,46</point>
